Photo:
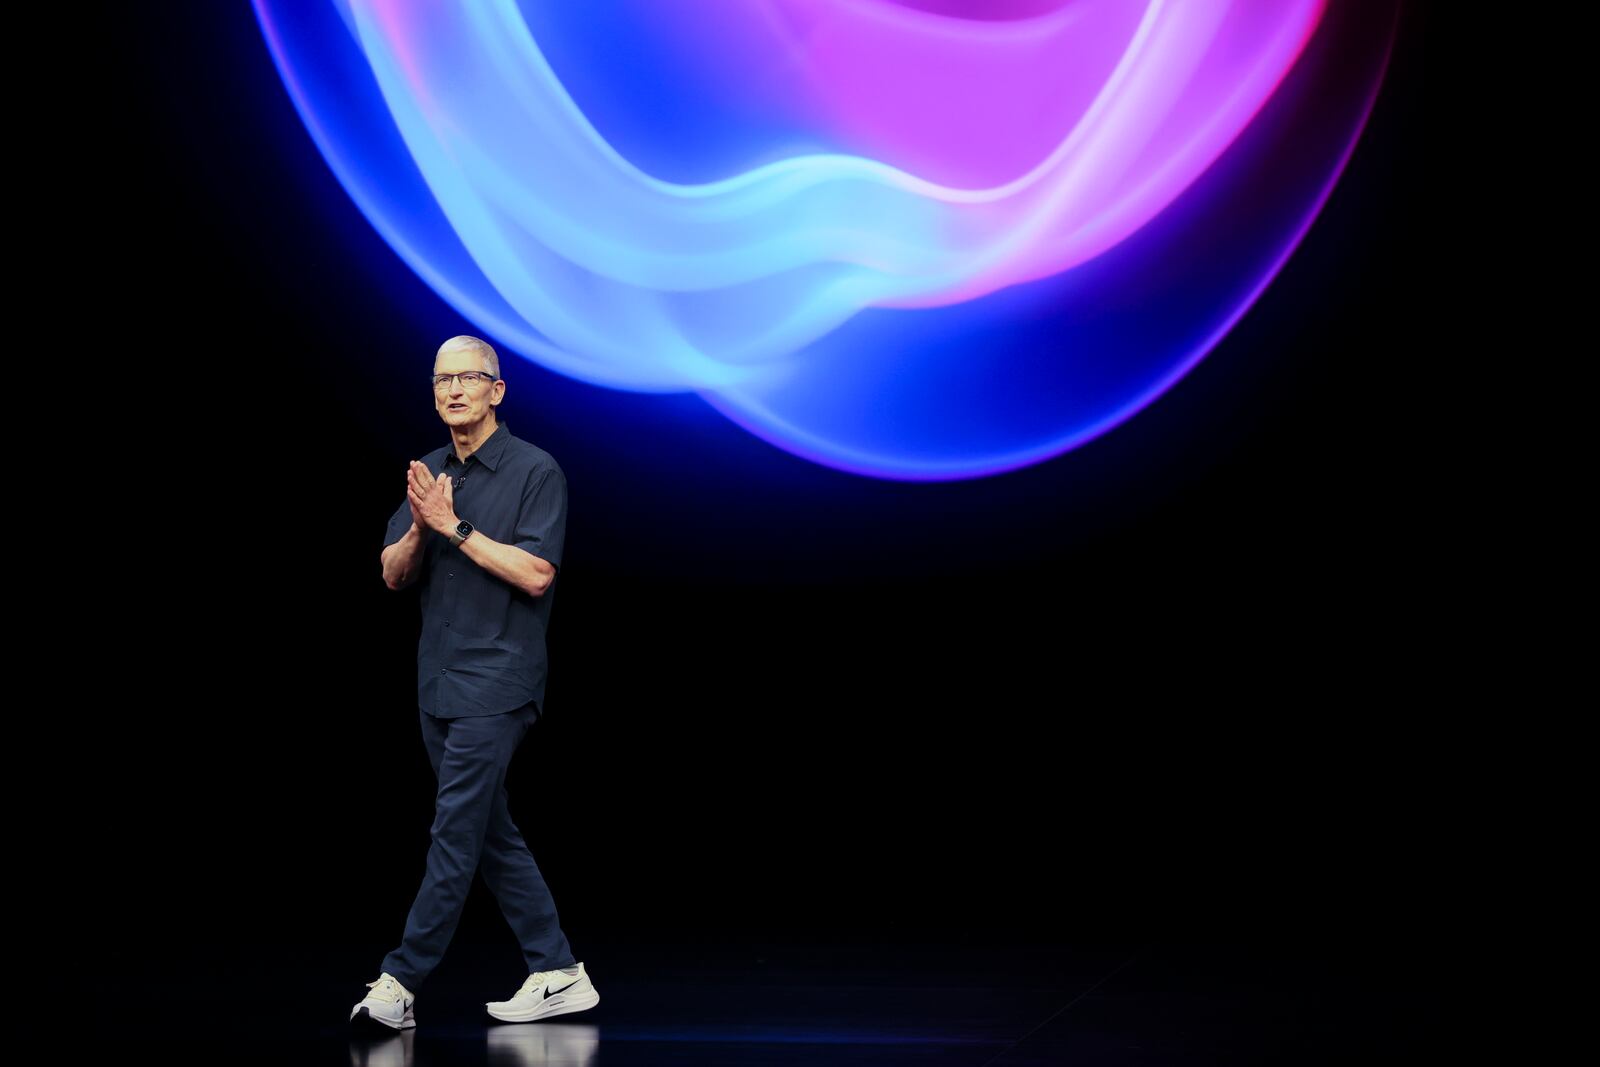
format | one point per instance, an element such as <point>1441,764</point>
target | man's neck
<point>467,439</point>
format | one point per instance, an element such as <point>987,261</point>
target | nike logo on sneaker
<point>548,992</point>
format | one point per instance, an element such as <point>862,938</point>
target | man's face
<point>459,404</point>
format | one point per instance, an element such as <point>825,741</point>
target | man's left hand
<point>436,503</point>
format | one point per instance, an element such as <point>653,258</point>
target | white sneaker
<point>546,993</point>
<point>389,1003</point>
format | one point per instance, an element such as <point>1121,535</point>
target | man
<point>482,529</point>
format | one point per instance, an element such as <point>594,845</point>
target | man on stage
<point>482,530</point>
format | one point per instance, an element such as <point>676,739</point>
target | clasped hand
<point>433,503</point>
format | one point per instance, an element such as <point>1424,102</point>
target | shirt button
<point>444,670</point>
<point>447,622</point>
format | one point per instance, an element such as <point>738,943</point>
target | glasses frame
<point>439,381</point>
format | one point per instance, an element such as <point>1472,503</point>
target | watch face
<point>464,528</point>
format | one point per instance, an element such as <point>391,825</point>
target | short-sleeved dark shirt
<point>482,648</point>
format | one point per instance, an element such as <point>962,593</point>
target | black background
<point>1156,689</point>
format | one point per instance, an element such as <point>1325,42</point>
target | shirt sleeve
<point>542,517</point>
<point>399,523</point>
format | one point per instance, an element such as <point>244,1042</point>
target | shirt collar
<point>489,452</point>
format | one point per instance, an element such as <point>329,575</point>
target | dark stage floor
<point>808,1004</point>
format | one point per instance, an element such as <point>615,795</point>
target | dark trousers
<point>472,826</point>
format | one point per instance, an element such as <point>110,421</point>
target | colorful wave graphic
<point>919,239</point>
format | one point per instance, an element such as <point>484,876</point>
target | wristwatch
<point>462,531</point>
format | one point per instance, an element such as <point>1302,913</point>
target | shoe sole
<point>560,1004</point>
<point>361,1016</point>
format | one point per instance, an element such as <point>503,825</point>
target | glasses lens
<point>469,379</point>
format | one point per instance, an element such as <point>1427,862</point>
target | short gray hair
<point>467,343</point>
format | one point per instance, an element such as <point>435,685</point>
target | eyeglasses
<point>469,378</point>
